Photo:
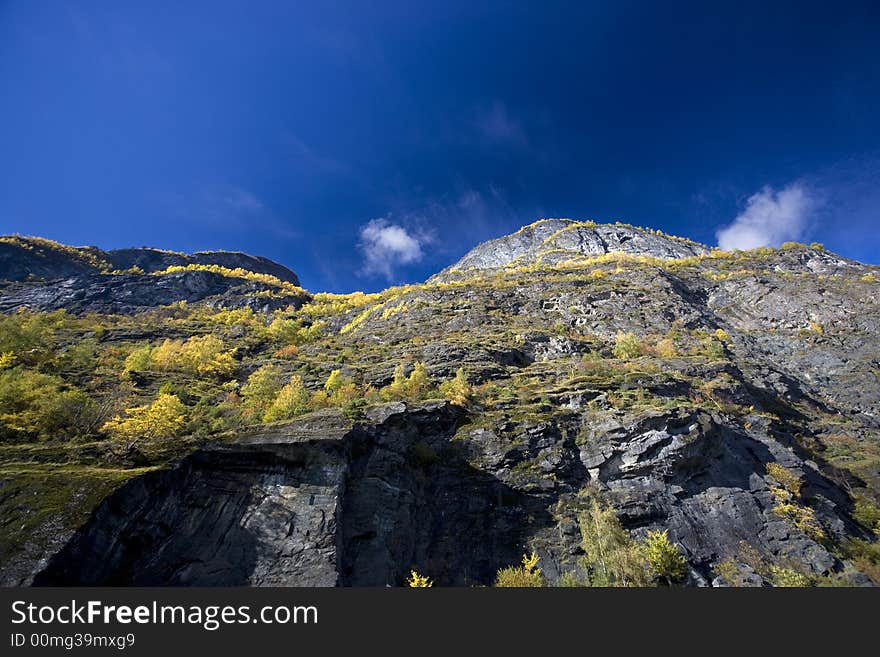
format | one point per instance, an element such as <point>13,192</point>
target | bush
<point>291,400</point>
<point>418,581</point>
<point>292,331</point>
<point>260,391</point>
<point>787,577</point>
<point>30,338</point>
<point>457,390</point>
<point>165,417</point>
<point>43,406</point>
<point>528,575</point>
<point>202,355</point>
<point>411,388</point>
<point>627,346</point>
<point>664,557</point>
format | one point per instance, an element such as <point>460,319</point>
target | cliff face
<point>731,399</point>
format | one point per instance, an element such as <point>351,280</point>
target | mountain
<point>43,275</point>
<point>571,391</point>
<point>24,258</point>
<point>555,241</point>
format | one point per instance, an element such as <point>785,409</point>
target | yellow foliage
<point>199,354</point>
<point>787,577</point>
<point>788,480</point>
<point>457,390</point>
<point>85,255</point>
<point>413,387</point>
<point>664,557</point>
<point>418,581</point>
<point>7,359</point>
<point>262,386</point>
<point>238,272</point>
<point>528,575</point>
<point>163,418</point>
<point>666,348</point>
<point>611,557</point>
<point>291,400</point>
<point>627,346</point>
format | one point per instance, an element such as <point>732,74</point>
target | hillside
<point>565,391</point>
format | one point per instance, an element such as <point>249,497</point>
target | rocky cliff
<point>43,275</point>
<point>729,399</point>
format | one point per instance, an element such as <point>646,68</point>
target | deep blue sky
<point>283,130</point>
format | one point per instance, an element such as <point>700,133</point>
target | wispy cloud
<point>770,218</point>
<point>310,159</point>
<point>496,124</point>
<point>386,246</point>
<point>234,199</point>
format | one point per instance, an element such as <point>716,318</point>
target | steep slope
<point>731,399</point>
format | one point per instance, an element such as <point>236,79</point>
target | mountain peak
<point>552,241</point>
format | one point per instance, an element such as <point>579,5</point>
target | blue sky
<point>363,144</point>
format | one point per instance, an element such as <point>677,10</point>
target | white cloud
<point>386,246</point>
<point>770,218</point>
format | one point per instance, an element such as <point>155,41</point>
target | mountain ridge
<point>23,257</point>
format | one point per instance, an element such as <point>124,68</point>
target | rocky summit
<point>574,404</point>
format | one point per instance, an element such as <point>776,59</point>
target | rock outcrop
<point>552,241</point>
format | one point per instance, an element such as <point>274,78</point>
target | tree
<point>457,390</point>
<point>165,417</point>
<point>397,388</point>
<point>413,387</point>
<point>611,557</point>
<point>260,391</point>
<point>664,557</point>
<point>291,400</point>
<point>335,381</point>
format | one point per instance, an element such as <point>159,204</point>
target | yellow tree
<point>165,417</point>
